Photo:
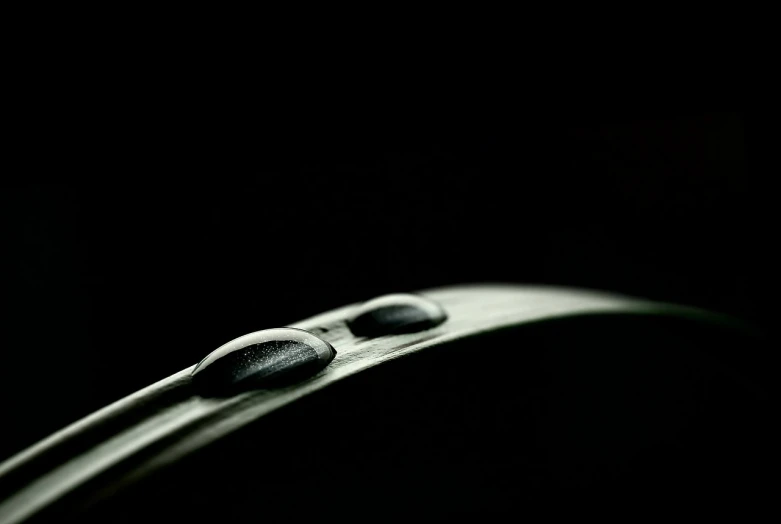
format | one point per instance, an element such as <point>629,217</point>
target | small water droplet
<point>262,359</point>
<point>397,313</point>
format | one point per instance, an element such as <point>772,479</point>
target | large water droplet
<point>262,359</point>
<point>397,313</point>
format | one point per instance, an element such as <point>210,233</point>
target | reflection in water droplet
<point>397,313</point>
<point>261,359</point>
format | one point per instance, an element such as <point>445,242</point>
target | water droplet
<point>397,313</point>
<point>262,359</point>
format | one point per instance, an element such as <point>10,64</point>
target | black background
<point>194,234</point>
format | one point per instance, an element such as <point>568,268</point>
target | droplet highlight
<point>262,359</point>
<point>395,314</point>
